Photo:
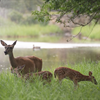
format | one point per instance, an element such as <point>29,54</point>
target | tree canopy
<point>76,8</point>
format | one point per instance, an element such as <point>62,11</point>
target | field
<point>89,31</point>
<point>13,88</point>
<point>37,33</point>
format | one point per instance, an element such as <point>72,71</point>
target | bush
<point>30,21</point>
<point>5,22</point>
<point>15,16</point>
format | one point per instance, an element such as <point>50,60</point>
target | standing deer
<point>75,76</point>
<point>43,75</point>
<point>32,63</point>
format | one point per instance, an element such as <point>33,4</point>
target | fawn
<point>75,76</point>
<point>43,75</point>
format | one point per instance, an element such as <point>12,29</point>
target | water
<point>54,57</point>
<point>45,45</point>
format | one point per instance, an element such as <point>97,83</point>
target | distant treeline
<point>19,11</point>
<point>20,5</point>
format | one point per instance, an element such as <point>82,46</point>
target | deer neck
<point>85,78</point>
<point>12,60</point>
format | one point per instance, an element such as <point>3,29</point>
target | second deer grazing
<point>32,63</point>
<point>75,76</point>
<point>45,76</point>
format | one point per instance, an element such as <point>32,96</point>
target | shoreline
<point>45,45</point>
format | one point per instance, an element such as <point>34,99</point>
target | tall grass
<point>33,30</point>
<point>13,88</point>
<point>89,31</point>
<point>31,33</point>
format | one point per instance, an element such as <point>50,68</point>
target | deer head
<point>8,48</point>
<point>93,80</point>
<point>18,70</point>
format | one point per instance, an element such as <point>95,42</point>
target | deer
<point>73,75</point>
<point>45,76</point>
<point>32,63</point>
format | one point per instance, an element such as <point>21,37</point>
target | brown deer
<point>75,76</point>
<point>45,76</point>
<point>32,63</point>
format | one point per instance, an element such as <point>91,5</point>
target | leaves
<point>75,7</point>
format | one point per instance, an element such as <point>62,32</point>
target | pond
<point>54,57</point>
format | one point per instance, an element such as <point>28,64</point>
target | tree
<point>76,8</point>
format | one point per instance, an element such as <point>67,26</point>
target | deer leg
<point>60,79</point>
<point>75,84</point>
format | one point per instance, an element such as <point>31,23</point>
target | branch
<point>71,8</point>
<point>93,15</point>
<point>81,29</point>
<point>93,27</point>
<point>75,35</point>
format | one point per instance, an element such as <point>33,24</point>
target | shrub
<point>30,21</point>
<point>15,16</point>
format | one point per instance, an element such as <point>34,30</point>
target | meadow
<point>41,32</point>
<point>36,32</point>
<point>47,33</point>
<point>89,31</point>
<point>13,88</point>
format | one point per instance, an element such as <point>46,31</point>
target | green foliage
<point>13,88</point>
<point>75,7</point>
<point>15,16</point>
<point>28,31</point>
<point>21,19</point>
<point>88,31</point>
<point>29,20</point>
<point>5,22</point>
<point>20,5</point>
<point>41,16</point>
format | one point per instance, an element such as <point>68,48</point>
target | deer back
<point>29,64</point>
<point>43,75</point>
<point>37,61</point>
<point>75,76</point>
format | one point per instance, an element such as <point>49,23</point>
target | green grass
<point>35,39</point>
<point>88,31</point>
<point>13,88</point>
<point>36,33</point>
<point>33,30</point>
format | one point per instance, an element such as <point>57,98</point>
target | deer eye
<point>10,47</point>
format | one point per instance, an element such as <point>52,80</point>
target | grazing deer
<point>43,75</point>
<point>75,76</point>
<point>32,63</point>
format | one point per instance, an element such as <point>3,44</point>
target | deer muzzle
<point>5,53</point>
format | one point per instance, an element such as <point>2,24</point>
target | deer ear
<point>90,73</point>
<point>3,43</point>
<point>14,43</point>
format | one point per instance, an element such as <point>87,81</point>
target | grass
<point>33,30</point>
<point>88,31</point>
<point>30,33</point>
<point>13,88</point>
<point>35,39</point>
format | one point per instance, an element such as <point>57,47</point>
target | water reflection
<point>53,57</point>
